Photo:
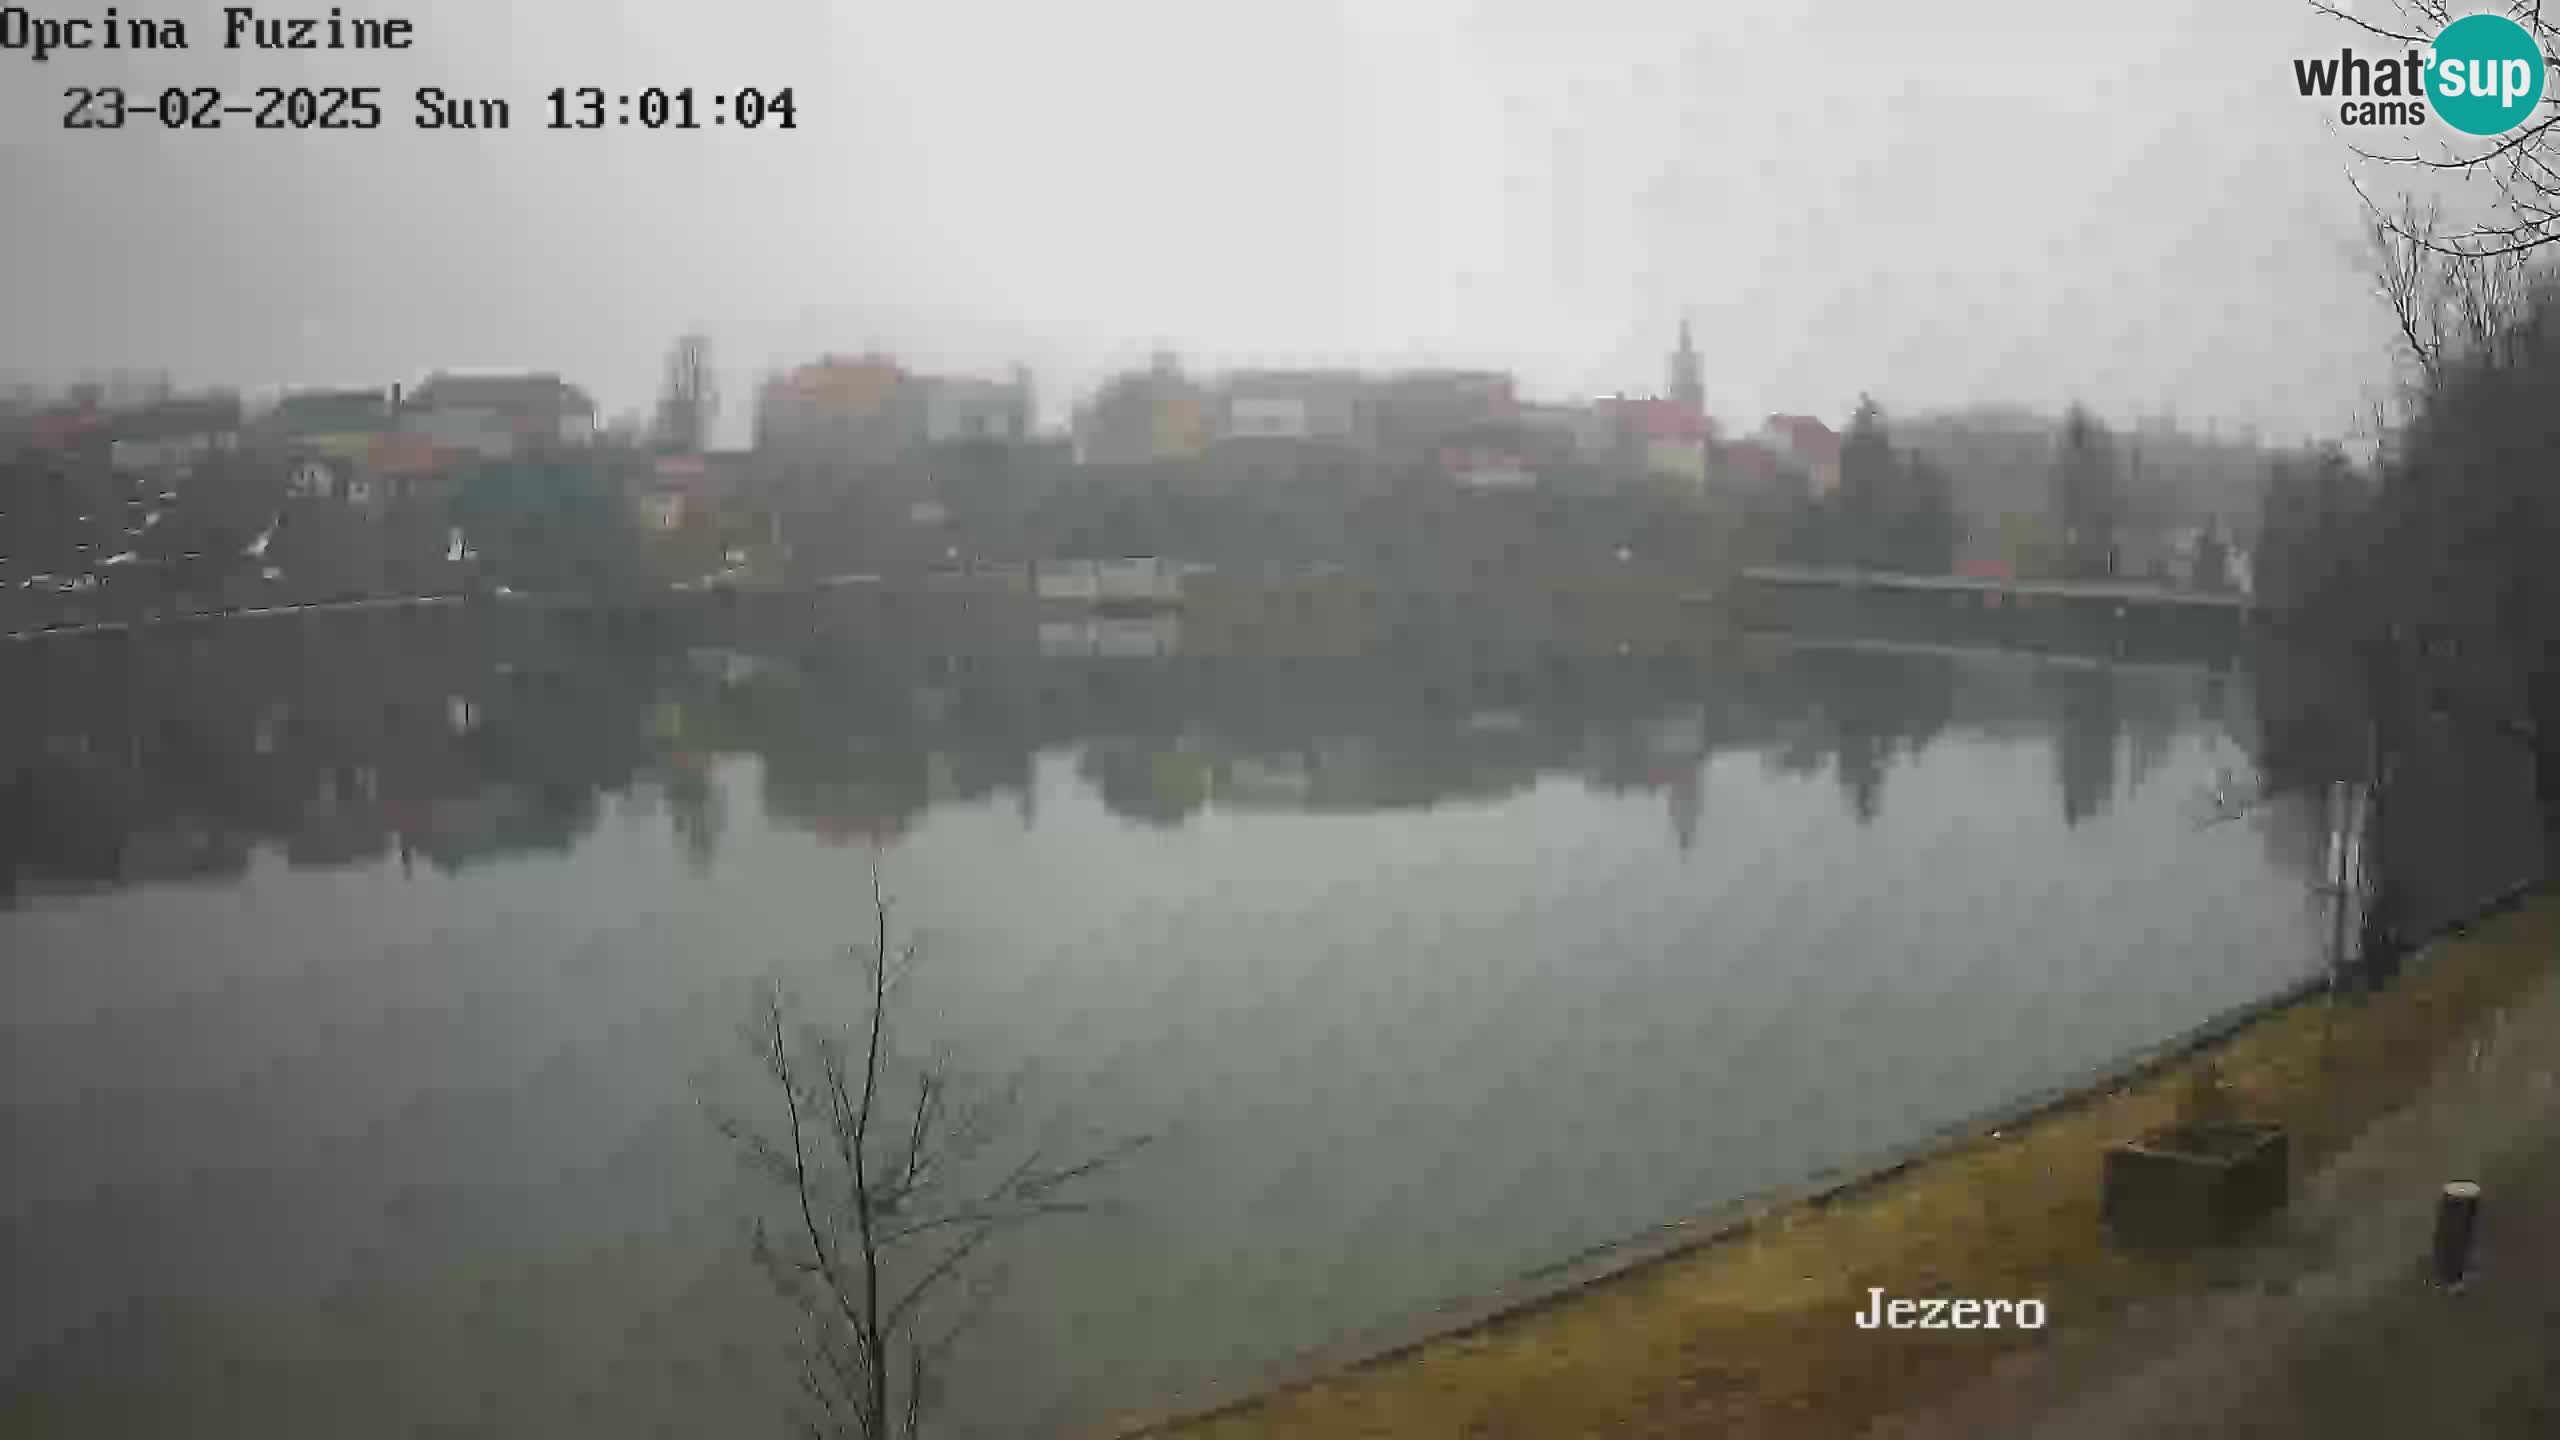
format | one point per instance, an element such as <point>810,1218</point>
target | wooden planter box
<point>2190,1184</point>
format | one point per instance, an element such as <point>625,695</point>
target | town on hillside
<point>123,498</point>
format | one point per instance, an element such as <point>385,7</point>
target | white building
<point>1270,416</point>
<point>965,408</point>
<point>1330,405</point>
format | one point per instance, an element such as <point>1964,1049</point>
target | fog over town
<point>1279,718</point>
<point>2130,209</point>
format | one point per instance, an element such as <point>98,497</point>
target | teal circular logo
<point>2484,74</point>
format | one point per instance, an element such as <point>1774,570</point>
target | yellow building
<point>852,389</point>
<point>1683,460</point>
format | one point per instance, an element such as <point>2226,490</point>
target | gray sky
<point>1993,201</point>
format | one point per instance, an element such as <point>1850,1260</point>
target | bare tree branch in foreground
<point>2522,166</point>
<point>2448,305</point>
<point>881,1242</point>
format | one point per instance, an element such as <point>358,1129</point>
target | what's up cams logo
<point>2482,76</point>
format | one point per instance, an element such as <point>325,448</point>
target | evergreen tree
<point>1863,511</point>
<point>1924,536</point>
<point>2087,498</point>
<point>2213,561</point>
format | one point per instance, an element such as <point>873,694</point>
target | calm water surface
<point>365,1001</point>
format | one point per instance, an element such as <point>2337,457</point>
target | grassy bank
<point>1754,1335</point>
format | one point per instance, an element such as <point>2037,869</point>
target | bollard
<point>2457,1221</point>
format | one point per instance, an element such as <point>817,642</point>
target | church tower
<point>1688,384</point>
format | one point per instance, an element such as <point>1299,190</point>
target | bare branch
<point>992,1218</point>
<point>875,1338</point>
<point>2519,163</point>
<point>951,1259</point>
<point>1041,1185</point>
<point>927,1092</point>
<point>915,1391</point>
<point>868,1369</point>
<point>800,1179</point>
<point>2367,26</point>
<point>2400,260</point>
<point>2521,138</point>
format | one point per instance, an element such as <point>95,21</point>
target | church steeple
<point>1688,384</point>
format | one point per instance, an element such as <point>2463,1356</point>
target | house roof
<point>61,428</point>
<point>1808,437</point>
<point>548,394</point>
<point>1319,386</point>
<point>1141,388</point>
<point>1663,420</point>
<point>1753,459</point>
<point>1295,375</point>
<point>332,412</point>
<point>195,415</point>
<point>1668,421</point>
<point>1476,385</point>
<point>1448,375</point>
<point>836,382</point>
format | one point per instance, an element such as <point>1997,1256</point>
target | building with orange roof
<point>838,409</point>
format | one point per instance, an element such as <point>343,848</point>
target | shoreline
<point>1554,1313</point>
<point>1557,1281</point>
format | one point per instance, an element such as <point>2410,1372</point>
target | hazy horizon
<point>2132,211</point>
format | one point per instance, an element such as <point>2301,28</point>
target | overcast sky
<point>1986,201</point>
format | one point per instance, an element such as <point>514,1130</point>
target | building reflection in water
<point>181,761</point>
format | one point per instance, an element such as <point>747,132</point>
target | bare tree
<point>2426,596</point>
<point>889,1206</point>
<point>2432,586</point>
<point>2447,303</point>
<point>2474,498</point>
<point>2522,166</point>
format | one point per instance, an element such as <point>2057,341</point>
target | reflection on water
<point>364,990</point>
<point>186,769</point>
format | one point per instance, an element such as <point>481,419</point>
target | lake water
<point>366,1000</point>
